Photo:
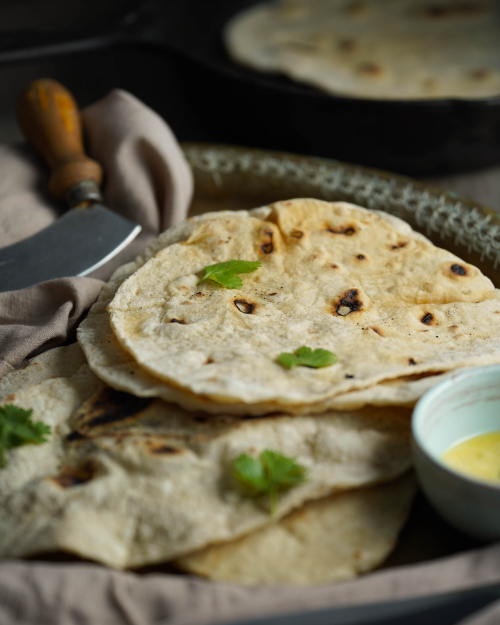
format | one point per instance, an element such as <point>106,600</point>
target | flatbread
<point>326,541</point>
<point>334,276</point>
<point>387,49</point>
<point>129,481</point>
<point>115,366</point>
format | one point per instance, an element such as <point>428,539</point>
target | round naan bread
<point>129,481</point>
<point>390,49</point>
<point>334,276</point>
<point>115,366</point>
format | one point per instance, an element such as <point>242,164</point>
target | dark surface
<point>444,609</point>
<point>88,65</point>
<point>170,54</point>
<point>426,536</point>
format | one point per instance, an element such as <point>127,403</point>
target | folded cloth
<point>147,180</point>
<point>42,316</point>
<point>37,593</point>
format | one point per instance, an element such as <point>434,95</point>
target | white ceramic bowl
<point>464,405</point>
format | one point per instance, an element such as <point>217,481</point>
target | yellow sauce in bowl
<point>478,457</point>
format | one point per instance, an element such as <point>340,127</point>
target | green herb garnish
<point>267,475</point>
<point>306,357</point>
<point>16,428</point>
<point>225,274</point>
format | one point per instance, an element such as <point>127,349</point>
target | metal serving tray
<point>229,177</point>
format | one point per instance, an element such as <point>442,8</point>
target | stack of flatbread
<point>173,379</point>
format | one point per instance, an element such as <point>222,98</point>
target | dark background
<point>149,73</point>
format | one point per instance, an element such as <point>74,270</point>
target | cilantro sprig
<point>16,428</point>
<point>225,274</point>
<point>306,357</point>
<point>269,474</point>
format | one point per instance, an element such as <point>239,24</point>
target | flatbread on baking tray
<point>389,49</point>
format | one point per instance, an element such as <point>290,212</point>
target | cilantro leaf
<point>307,358</point>
<point>268,475</point>
<point>250,474</point>
<point>16,428</point>
<point>225,273</point>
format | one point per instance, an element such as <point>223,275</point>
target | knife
<point>87,235</point>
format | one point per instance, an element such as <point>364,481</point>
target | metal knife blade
<point>80,241</point>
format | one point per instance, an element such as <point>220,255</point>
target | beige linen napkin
<point>36,593</point>
<point>148,180</point>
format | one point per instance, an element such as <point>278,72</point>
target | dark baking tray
<point>416,137</point>
<point>441,609</point>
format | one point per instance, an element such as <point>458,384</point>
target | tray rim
<point>465,227</point>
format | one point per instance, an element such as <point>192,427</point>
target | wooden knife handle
<point>50,119</point>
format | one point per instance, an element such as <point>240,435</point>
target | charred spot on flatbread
<point>458,270</point>
<point>427,319</point>
<point>377,331</point>
<point>199,418</point>
<point>164,449</point>
<point>75,475</point>
<point>398,246</point>
<point>368,68</point>
<point>268,246</point>
<point>175,320</point>
<point>109,406</point>
<point>347,230</point>
<point>411,361</point>
<point>244,307</point>
<point>348,303</point>
<point>481,73</point>
<point>297,234</point>
<point>75,435</point>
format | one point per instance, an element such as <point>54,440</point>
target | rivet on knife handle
<point>50,119</point>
